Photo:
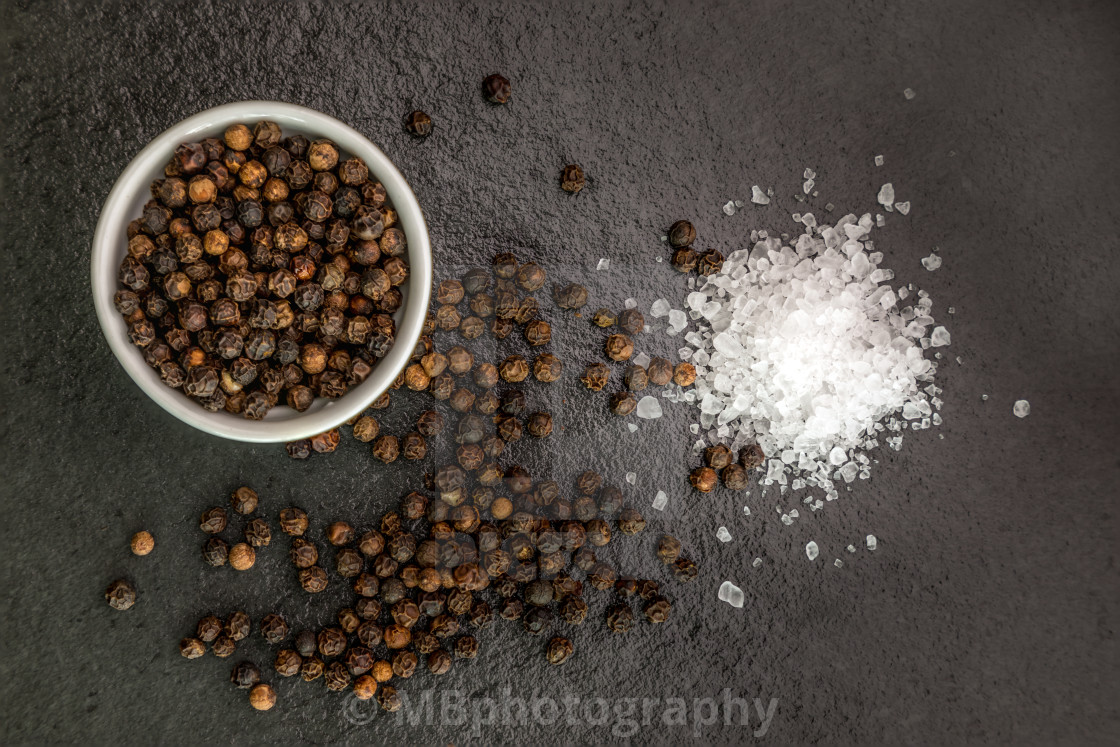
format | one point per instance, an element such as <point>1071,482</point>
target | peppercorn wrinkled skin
<point>684,569</point>
<point>418,124</point>
<point>619,347</point>
<point>496,88</point>
<point>681,234</point>
<point>572,178</point>
<point>751,456</point>
<point>703,479</point>
<point>121,594</point>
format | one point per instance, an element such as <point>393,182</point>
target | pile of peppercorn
<point>263,269</point>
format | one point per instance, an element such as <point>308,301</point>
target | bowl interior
<point>126,202</point>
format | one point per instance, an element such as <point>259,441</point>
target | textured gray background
<point>989,611</point>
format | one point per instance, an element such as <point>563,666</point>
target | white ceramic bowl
<point>125,202</point>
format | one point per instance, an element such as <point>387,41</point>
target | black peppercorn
<point>635,378</point>
<point>681,233</point>
<point>244,675</point>
<point>668,549</point>
<point>630,521</point>
<point>514,369</point>
<point>572,178</point>
<point>572,296</point>
<point>631,321</point>
<point>751,456</point>
<point>313,580</point>
<point>121,594</point>
<point>559,651</point>
<point>735,477</point>
<point>537,620</point>
<point>619,347</point>
<point>418,124</point>
<point>213,520</point>
<point>684,569</point>
<point>711,262</point>
<point>657,610</point>
<point>257,533</point>
<point>191,648</point>
<point>496,88</point>
<point>237,626</point>
<point>539,424</point>
<point>620,618</point>
<point>659,371</point>
<point>573,610</point>
<point>703,479</point>
<point>685,260</point>
<point>623,403</point>
<point>274,628</point>
<point>215,551</point>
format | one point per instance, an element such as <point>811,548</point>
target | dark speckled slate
<point>989,611</point>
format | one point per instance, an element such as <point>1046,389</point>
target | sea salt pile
<point>804,348</point>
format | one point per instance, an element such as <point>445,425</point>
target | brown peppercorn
<point>496,88</point>
<point>312,668</point>
<point>572,178</point>
<point>604,318</point>
<point>504,265</point>
<point>657,610</point>
<point>598,532</point>
<point>531,277</point>
<point>191,648</point>
<point>668,549</point>
<point>337,676</point>
<point>602,576</point>
<point>573,610</point>
<point>238,625</point>
<point>620,618</point>
<point>547,368</point>
<point>213,520</point>
<point>257,533</point>
<point>539,424</point>
<point>449,292</point>
<point>238,137</point>
<point>681,233</point>
<point>501,508</point>
<point>430,423</point>
<point>340,533</point>
<point>684,569</point>
<point>367,584</point>
<point>242,557</point>
<point>287,663</point>
<point>752,456</point>
<point>635,378</point>
<point>685,260</point>
<point>365,687</point>
<point>439,662</point>
<point>538,332</point>
<point>386,449</point>
<point>371,544</point>
<point>245,674</point>
<point>572,296</point>
<point>623,403</point>
<point>331,641</point>
<point>684,374</point>
<point>262,697</point>
<point>303,554</point>
<point>630,521</point>
<point>358,660</point>
<point>397,636</point>
<point>514,369</point>
<point>348,563</point>
<point>418,124</point>
<point>717,457</point>
<point>366,429</point>
<point>711,262</point>
<point>313,580</point>
<point>293,521</point>
<point>142,543</point>
<point>619,347</point>
<point>223,646</point>
<point>208,628</point>
<point>703,479</point>
<point>244,500</point>
<point>659,371</point>
<point>735,477</point>
<point>595,376</point>
<point>631,321</point>
<point>121,594</point>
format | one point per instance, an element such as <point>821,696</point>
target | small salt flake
<point>908,93</point>
<point>757,562</point>
<point>659,308</point>
<point>811,550</point>
<point>631,427</point>
<point>932,262</point>
<point>872,543</point>
<point>903,207</point>
<point>1022,408</point>
<point>648,408</point>
<point>658,259</point>
<point>732,594</point>
<point>851,548</point>
<point>816,193</point>
<point>758,197</point>
<point>886,195</point>
<point>746,510</point>
<point>880,221</point>
<point>879,160</point>
<point>723,535</point>
<point>828,208</point>
<point>809,174</point>
<point>604,264</point>
<point>786,520</point>
<point>959,361</point>
<point>632,478</point>
<point>984,397</point>
<point>807,187</point>
<point>630,303</point>
<point>738,203</point>
<point>838,563</point>
<point>729,208</point>
<point>952,310</point>
<point>660,501</point>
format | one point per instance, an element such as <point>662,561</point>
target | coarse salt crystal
<point>879,160</point>
<point>811,550</point>
<point>758,197</point>
<point>1022,409</point>
<point>886,195</point>
<point>729,208</point>
<point>660,501</point>
<point>723,535</point>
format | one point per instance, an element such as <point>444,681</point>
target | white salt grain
<point>757,562</point>
<point>932,262</point>
<point>811,550</point>
<point>649,408</point>
<point>872,543</point>
<point>659,308</point>
<point>729,208</point>
<point>886,195</point>
<point>631,427</point>
<point>908,93</point>
<point>632,478</point>
<point>723,535</point>
<point>732,594</point>
<point>903,207</point>
<point>1022,409</point>
<point>660,501</point>
<point>630,303</point>
<point>758,197</point>
<point>879,160</point>
<point>838,562</point>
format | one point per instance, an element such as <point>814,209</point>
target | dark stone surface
<point>989,611</point>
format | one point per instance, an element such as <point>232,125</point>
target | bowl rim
<point>136,178</point>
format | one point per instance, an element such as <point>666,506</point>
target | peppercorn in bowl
<point>262,271</point>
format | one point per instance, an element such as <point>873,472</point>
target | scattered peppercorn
<point>245,674</point>
<point>595,376</point>
<point>681,233</point>
<point>142,543</point>
<point>191,648</point>
<point>262,697</point>
<point>418,124</point>
<point>703,479</point>
<point>619,347</point>
<point>685,260</point>
<point>684,374</point>
<point>496,88</point>
<point>213,520</point>
<point>623,403</point>
<point>620,618</point>
<point>121,594</point>
<point>668,549</point>
<point>657,610</point>
<point>631,321</point>
<point>244,500</point>
<point>751,456</point>
<point>684,569</point>
<point>572,178</point>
